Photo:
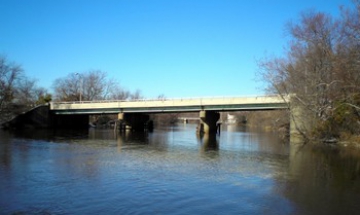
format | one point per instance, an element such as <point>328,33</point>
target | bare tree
<point>89,86</point>
<point>119,93</point>
<point>321,70</point>
<point>86,86</point>
<point>68,88</point>
<point>96,85</point>
<point>136,95</point>
<point>9,75</point>
<point>348,61</point>
<point>18,93</point>
<point>28,93</point>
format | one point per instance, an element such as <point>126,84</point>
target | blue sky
<point>179,48</point>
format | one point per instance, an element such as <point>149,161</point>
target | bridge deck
<point>170,105</point>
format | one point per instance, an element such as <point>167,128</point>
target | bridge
<point>134,114</point>
<point>171,105</point>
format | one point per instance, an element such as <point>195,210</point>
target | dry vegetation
<point>321,70</point>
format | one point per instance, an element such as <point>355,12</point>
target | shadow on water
<point>49,134</point>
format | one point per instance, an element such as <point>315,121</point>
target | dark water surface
<point>172,171</point>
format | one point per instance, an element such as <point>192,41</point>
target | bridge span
<point>134,114</point>
<point>171,105</point>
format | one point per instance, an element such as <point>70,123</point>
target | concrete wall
<point>41,117</point>
<point>301,122</point>
<point>37,117</point>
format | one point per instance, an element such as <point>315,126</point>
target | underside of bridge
<point>134,121</point>
<point>70,121</point>
<point>141,122</point>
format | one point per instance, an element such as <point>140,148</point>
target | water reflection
<point>234,128</point>
<point>132,137</point>
<point>208,142</point>
<point>324,179</point>
<point>173,171</point>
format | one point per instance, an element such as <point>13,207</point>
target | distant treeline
<point>19,93</point>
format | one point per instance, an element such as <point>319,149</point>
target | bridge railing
<point>169,99</point>
<point>183,104</point>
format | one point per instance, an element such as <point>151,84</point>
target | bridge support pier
<point>208,123</point>
<point>134,122</point>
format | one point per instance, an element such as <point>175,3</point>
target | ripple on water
<point>165,173</point>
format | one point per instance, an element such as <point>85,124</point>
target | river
<point>173,171</point>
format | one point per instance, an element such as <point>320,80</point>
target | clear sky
<point>179,48</point>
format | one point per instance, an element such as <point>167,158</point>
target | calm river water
<point>172,171</point>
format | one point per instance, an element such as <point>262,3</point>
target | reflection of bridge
<point>134,113</point>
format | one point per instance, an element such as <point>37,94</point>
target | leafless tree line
<point>89,86</point>
<point>18,92</point>
<point>321,70</point>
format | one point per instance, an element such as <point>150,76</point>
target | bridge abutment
<point>208,123</point>
<point>302,121</point>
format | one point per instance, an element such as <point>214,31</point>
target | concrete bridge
<point>171,105</point>
<point>134,114</point>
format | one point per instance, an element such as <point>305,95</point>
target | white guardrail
<point>167,102</point>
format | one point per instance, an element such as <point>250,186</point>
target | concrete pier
<point>208,122</point>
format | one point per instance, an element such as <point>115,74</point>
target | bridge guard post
<point>133,121</point>
<point>209,122</point>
